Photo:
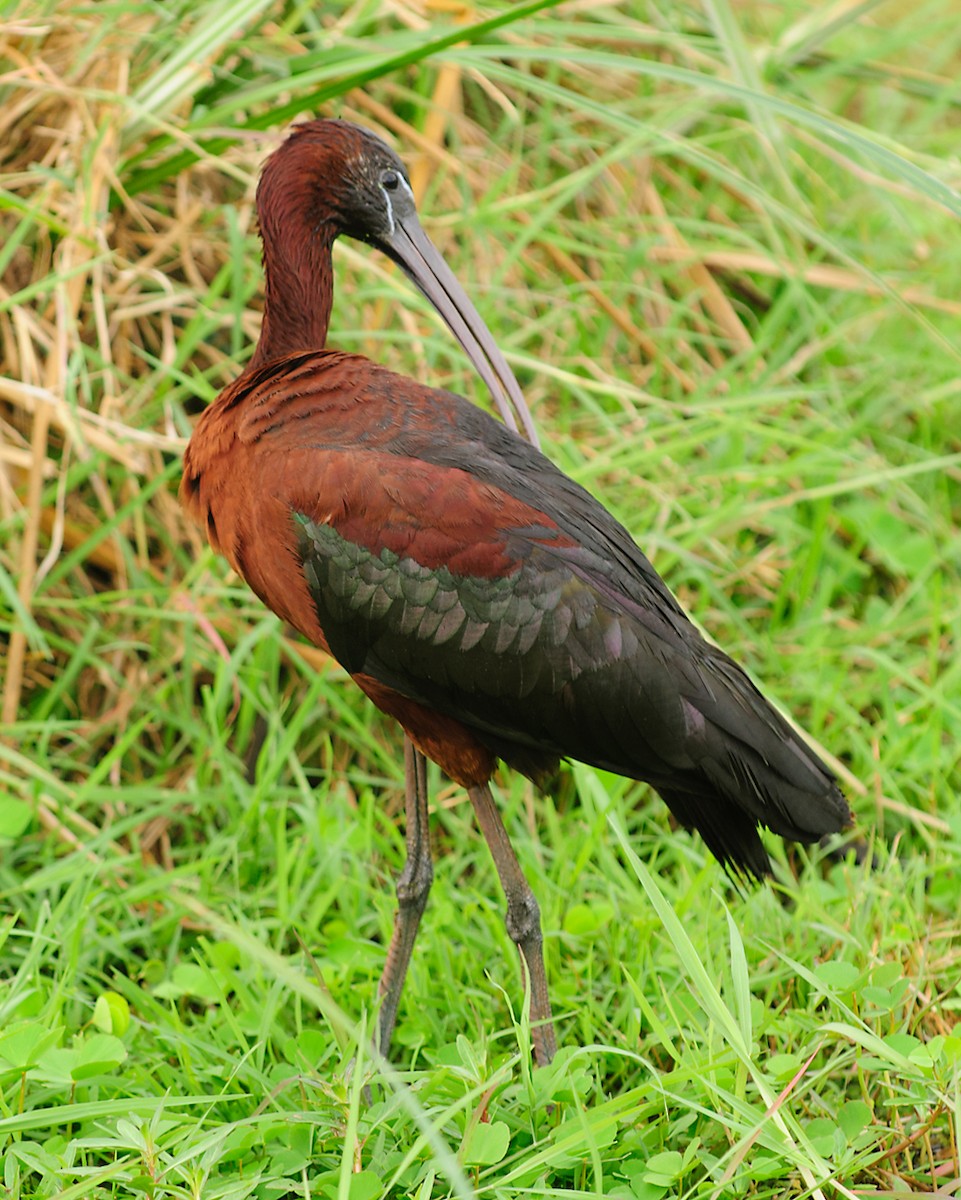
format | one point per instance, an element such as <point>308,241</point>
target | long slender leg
<point>413,886</point>
<point>523,920</point>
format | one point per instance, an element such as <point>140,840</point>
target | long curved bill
<point>421,261</point>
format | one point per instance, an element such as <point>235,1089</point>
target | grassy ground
<point>720,248</point>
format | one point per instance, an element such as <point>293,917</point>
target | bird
<point>476,593</point>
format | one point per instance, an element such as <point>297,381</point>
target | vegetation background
<point>719,244</point>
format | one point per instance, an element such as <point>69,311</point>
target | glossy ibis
<point>470,588</point>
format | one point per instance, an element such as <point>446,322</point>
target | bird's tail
<point>753,769</point>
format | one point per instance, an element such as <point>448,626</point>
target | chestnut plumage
<point>472,590</point>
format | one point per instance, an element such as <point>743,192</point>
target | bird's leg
<point>412,888</point>
<point>523,920</point>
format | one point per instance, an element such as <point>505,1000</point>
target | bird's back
<point>455,566</point>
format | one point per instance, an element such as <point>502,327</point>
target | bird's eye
<point>390,181</point>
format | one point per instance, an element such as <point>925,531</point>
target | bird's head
<point>332,177</point>
<point>347,178</point>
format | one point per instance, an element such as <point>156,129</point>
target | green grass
<point>720,248</point>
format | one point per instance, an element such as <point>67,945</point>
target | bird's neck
<point>299,291</point>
